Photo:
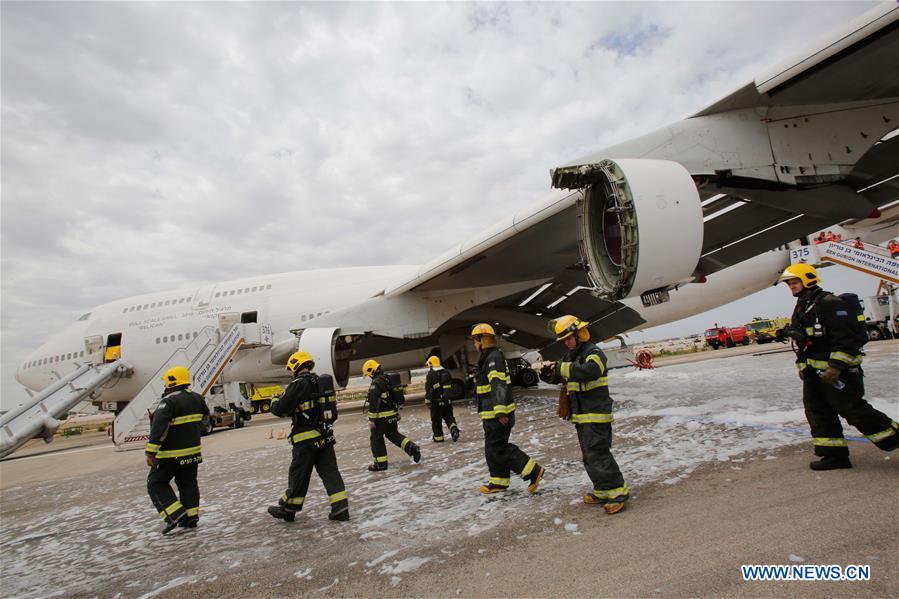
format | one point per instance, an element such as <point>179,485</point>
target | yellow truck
<point>764,330</point>
<point>261,397</point>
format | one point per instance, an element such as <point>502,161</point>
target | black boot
<point>377,467</point>
<point>454,433</point>
<point>830,463</point>
<point>189,522</point>
<point>170,525</point>
<point>279,512</point>
<point>891,442</point>
<point>340,515</point>
<point>415,452</point>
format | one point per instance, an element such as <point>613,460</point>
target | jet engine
<point>328,349</point>
<point>640,225</point>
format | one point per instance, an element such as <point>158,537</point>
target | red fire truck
<point>726,337</point>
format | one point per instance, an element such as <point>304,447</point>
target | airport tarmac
<point>715,452</point>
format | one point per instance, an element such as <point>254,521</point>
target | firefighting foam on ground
<point>76,522</point>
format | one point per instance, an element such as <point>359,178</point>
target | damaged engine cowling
<point>640,223</point>
<point>328,350</point>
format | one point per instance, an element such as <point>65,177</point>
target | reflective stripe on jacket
<point>176,426</point>
<point>584,372</point>
<point>493,385</point>
<point>828,323</point>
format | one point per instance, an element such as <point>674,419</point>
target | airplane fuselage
<point>153,326</point>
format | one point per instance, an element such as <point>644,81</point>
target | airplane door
<point>113,347</point>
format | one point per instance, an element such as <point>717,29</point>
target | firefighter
<point>857,243</point>
<point>437,384</point>
<point>893,247</point>
<point>497,410</point>
<point>383,418</point>
<point>829,334</point>
<point>313,410</point>
<point>173,451</point>
<point>583,372</point>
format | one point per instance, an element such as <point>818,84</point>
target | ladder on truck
<point>44,412</point>
<point>873,259</point>
<point>206,356</point>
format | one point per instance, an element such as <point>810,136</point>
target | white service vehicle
<point>877,315</point>
<point>227,407</point>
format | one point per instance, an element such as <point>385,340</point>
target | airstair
<point>43,413</point>
<point>872,259</point>
<point>206,356</point>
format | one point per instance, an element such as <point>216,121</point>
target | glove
<point>831,375</point>
<point>801,374</point>
<point>548,372</point>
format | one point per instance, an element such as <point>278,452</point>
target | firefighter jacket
<point>830,332</point>
<point>493,385</point>
<point>583,371</point>
<point>436,386</point>
<point>304,403</point>
<point>177,422</point>
<point>379,400</point>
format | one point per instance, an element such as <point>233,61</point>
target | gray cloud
<point>142,141</point>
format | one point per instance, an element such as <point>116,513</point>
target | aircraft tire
<point>528,378</point>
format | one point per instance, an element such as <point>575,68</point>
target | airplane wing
<point>856,62</point>
<point>522,272</point>
<point>802,147</point>
<point>534,243</point>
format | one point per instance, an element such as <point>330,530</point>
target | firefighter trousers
<point>595,440</point>
<point>318,454</point>
<point>439,415</point>
<point>170,506</point>
<point>388,427</point>
<point>504,457</point>
<point>824,404</point>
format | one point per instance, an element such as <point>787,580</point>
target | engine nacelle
<point>640,222</point>
<point>327,349</point>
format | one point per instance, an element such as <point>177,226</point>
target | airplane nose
<point>19,374</point>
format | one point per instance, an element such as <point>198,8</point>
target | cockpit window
<point>85,316</point>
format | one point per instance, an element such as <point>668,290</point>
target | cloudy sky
<point>148,146</point>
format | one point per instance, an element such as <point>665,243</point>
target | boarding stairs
<point>206,356</point>
<point>43,413</point>
<point>873,259</point>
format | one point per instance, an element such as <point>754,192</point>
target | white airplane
<point>643,233</point>
<point>401,333</point>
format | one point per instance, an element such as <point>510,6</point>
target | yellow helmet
<point>176,376</point>
<point>804,272</point>
<point>370,367</point>
<point>482,329</point>
<point>433,362</point>
<point>298,359</point>
<point>568,325</point>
